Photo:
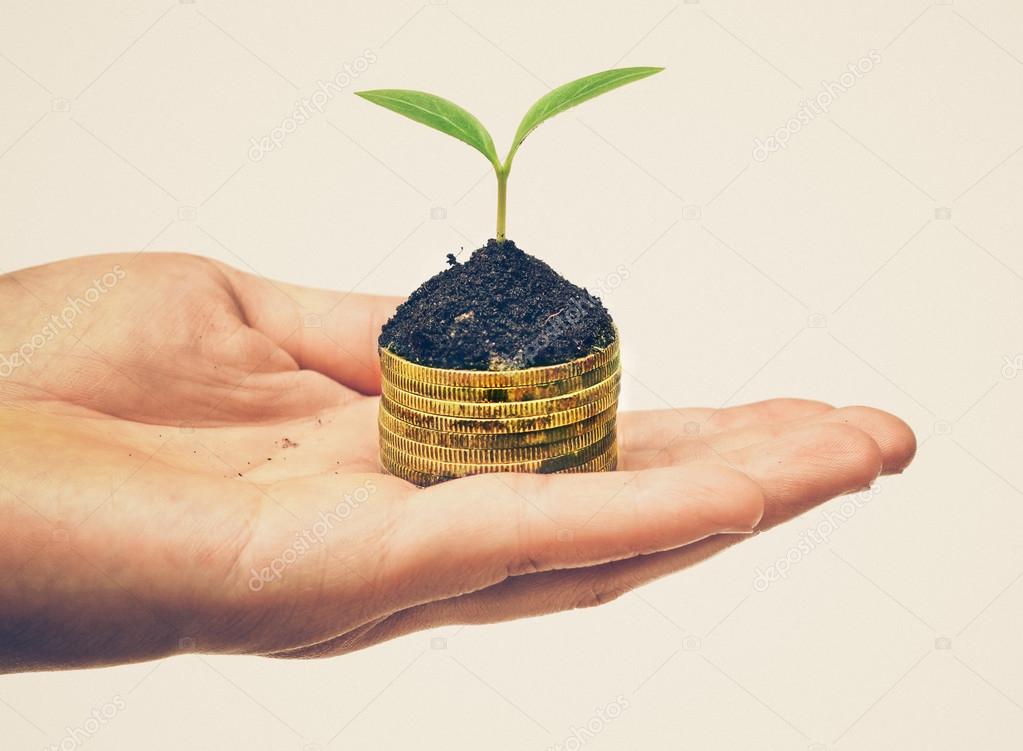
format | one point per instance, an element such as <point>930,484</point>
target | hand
<point>189,462</point>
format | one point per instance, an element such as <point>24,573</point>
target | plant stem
<point>502,199</point>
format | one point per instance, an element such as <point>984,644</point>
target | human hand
<point>190,463</point>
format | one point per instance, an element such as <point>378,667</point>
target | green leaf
<point>569,95</point>
<point>438,113</point>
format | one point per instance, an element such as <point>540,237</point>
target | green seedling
<point>447,117</point>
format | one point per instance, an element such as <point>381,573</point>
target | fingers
<point>467,535</point>
<point>404,547</point>
<point>809,465</point>
<point>652,429</point>
<point>895,439</point>
<point>892,435</point>
<point>477,531</point>
<point>795,473</point>
<point>334,333</point>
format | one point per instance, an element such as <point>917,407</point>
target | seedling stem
<point>502,201</point>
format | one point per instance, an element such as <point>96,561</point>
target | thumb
<point>334,333</point>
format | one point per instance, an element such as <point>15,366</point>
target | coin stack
<point>438,424</point>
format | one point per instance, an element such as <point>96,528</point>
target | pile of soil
<point>502,309</point>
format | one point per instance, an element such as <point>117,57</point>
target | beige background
<point>875,259</point>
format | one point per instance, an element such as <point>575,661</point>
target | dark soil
<point>502,309</point>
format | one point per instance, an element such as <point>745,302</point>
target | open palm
<point>190,463</point>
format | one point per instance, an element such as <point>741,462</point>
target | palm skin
<point>198,427</point>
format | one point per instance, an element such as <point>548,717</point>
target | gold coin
<point>502,394</point>
<point>603,463</point>
<point>491,455</point>
<point>422,479</point>
<point>502,424</point>
<point>488,410</point>
<point>393,457</point>
<point>493,440</point>
<point>590,457</point>
<point>394,365</point>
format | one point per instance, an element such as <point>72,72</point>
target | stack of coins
<point>438,424</point>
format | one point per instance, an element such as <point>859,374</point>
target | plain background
<point>875,259</point>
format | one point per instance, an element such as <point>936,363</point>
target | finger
<point>474,532</point>
<point>653,428</point>
<point>334,333</point>
<point>795,472</point>
<point>893,436</point>
<point>468,534</point>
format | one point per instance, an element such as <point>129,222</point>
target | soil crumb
<point>502,309</point>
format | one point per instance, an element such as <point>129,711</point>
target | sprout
<point>447,117</point>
